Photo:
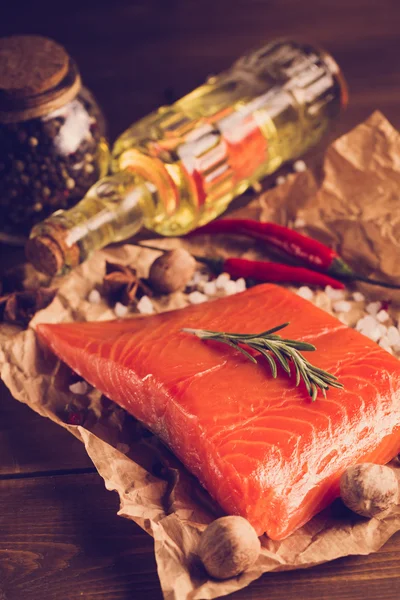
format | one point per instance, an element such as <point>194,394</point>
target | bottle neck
<point>114,209</point>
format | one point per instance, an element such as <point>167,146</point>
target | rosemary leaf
<point>271,362</point>
<point>276,349</point>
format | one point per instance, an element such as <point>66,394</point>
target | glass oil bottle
<point>181,166</point>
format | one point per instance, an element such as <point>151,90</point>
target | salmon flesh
<point>259,445</point>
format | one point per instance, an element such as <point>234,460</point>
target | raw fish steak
<point>259,445</point>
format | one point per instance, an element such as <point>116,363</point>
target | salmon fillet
<point>259,445</point>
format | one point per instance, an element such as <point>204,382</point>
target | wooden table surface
<point>60,538</point>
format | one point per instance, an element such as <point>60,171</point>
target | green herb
<point>276,349</point>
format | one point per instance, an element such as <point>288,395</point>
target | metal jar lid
<point>37,76</point>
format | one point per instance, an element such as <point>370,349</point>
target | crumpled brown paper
<point>155,490</point>
<point>356,210</point>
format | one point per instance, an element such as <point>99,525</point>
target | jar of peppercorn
<point>52,134</point>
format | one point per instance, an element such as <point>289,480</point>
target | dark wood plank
<point>132,53</point>
<point>30,443</point>
<point>61,539</point>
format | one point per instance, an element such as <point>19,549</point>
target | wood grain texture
<point>137,54</point>
<point>32,444</point>
<point>60,538</point>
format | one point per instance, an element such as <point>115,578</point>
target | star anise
<point>20,307</point>
<point>122,284</point>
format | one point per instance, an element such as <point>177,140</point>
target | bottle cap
<point>36,76</point>
<point>45,255</point>
<point>49,252</point>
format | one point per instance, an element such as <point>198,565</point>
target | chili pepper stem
<point>342,271</point>
<point>339,267</point>
<point>385,284</point>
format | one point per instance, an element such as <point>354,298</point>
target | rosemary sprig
<point>276,349</point>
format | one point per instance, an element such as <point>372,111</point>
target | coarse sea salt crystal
<point>385,344</point>
<point>305,292</point>
<point>358,297</point>
<point>373,334</point>
<point>209,288</point>
<point>222,280</point>
<point>342,306</point>
<point>373,308</point>
<point>299,222</point>
<point>334,294</point>
<point>145,306</point>
<point>197,298</point>
<point>120,309</point>
<point>370,327</point>
<point>79,388</point>
<point>230,288</point>
<point>383,316</point>
<point>94,297</point>
<point>240,284</point>
<point>299,166</point>
<point>382,328</point>
<point>393,335</point>
<point>280,180</point>
<point>198,278</point>
<point>367,322</point>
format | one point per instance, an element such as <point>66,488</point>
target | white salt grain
<point>334,294</point>
<point>299,166</point>
<point>383,316</point>
<point>373,334</point>
<point>209,288</point>
<point>222,280</point>
<point>94,297</point>
<point>196,278</point>
<point>197,298</point>
<point>145,306</point>
<point>373,308</point>
<point>280,180</point>
<point>383,329</point>
<point>230,288</point>
<point>366,323</point>
<point>240,285</point>
<point>305,292</point>
<point>79,388</point>
<point>120,310</point>
<point>299,222</point>
<point>385,344</point>
<point>342,306</point>
<point>358,297</point>
<point>393,335</point>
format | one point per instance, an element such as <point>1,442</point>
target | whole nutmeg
<point>228,547</point>
<point>172,271</point>
<point>369,489</point>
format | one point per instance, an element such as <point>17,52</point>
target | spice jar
<point>52,144</point>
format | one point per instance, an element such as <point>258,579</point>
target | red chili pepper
<point>313,253</point>
<point>264,271</point>
<point>293,243</point>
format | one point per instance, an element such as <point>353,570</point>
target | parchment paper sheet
<point>154,488</point>
<point>357,208</point>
